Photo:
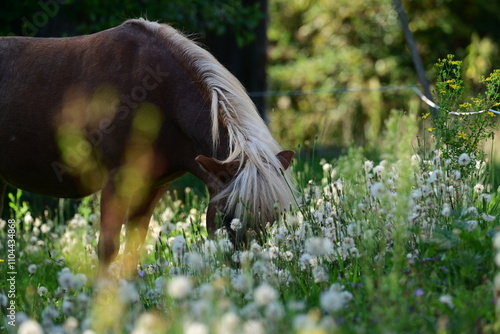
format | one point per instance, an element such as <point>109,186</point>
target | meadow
<point>404,243</point>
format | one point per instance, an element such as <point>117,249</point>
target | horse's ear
<point>285,157</point>
<point>224,172</point>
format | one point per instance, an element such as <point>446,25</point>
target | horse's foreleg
<point>114,210</point>
<point>137,228</point>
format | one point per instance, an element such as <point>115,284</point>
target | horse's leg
<point>113,214</point>
<point>137,229</point>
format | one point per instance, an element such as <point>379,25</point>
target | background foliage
<point>326,45</point>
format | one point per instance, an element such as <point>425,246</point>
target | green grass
<point>393,247</point>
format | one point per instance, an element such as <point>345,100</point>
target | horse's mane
<point>259,184</point>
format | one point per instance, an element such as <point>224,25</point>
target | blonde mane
<point>259,185</point>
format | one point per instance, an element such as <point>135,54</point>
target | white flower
<point>236,224</point>
<point>264,294</point>
<point>30,327</point>
<point>128,294</point>
<point>253,327</point>
<point>377,189</point>
<point>229,323</point>
<point>32,269</point>
<point>379,170</point>
<point>479,188</point>
<point>42,291</point>
<point>471,225</point>
<point>447,300</point>
<point>196,328</point>
<point>368,166</point>
<point>179,287</point>
<point>486,197</point>
<point>487,218</point>
<point>178,245</point>
<point>446,210</point>
<point>318,246</point>
<point>319,274</point>
<point>327,168</point>
<point>415,160</point>
<point>463,159</point>
<point>334,299</point>
<point>160,284</point>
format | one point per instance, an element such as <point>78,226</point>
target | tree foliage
<point>71,17</point>
<point>351,45</point>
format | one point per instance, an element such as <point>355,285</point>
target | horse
<point>126,111</point>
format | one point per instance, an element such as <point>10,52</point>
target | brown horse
<point>126,111</point>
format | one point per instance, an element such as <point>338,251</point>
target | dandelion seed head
<point>447,300</point>
<point>264,294</point>
<point>463,159</point>
<point>179,287</point>
<point>236,224</point>
<point>368,166</point>
<point>318,246</point>
<point>30,327</point>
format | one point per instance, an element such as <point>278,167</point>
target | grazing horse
<point>126,111</point>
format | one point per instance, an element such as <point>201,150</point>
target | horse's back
<point>46,82</point>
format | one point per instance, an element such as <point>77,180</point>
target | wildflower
<point>66,279</point>
<point>463,159</point>
<point>236,224</point>
<point>471,225</point>
<point>447,300</point>
<point>42,291</point>
<point>418,292</point>
<point>67,306</point>
<point>30,327</point>
<point>479,188</point>
<point>318,246</point>
<point>334,299</point>
<point>253,327</point>
<point>446,210</point>
<point>128,294</point>
<point>462,135</point>
<point>486,197</point>
<point>353,230</point>
<point>415,160</point>
<point>368,166</point>
<point>264,294</point>
<point>196,328</point>
<point>28,218</point>
<point>424,116</point>
<point>274,311</point>
<point>160,284</point>
<point>32,269</point>
<point>320,274</point>
<point>242,283</point>
<point>209,247</point>
<point>487,217</point>
<point>379,170</point>
<point>179,287</point>
<point>327,168</point>
<point>377,189</point>
<point>229,323</point>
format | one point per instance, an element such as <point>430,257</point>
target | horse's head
<point>225,192</point>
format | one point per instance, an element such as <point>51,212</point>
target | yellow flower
<point>462,135</point>
<point>491,114</point>
<point>455,86</point>
<point>431,129</point>
<point>466,105</point>
<point>426,115</point>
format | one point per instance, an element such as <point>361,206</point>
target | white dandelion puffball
<point>265,294</point>
<point>179,287</point>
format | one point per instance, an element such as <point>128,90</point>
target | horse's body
<point>127,110</point>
